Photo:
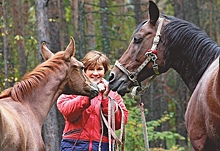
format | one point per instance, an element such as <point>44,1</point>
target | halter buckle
<point>132,77</point>
<point>151,51</point>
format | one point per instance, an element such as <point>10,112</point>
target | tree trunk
<point>75,20</point>
<point>187,10</point>
<point>144,9</point>
<point>209,18</point>
<point>104,26</point>
<point>42,24</point>
<point>50,128</point>
<point>54,26</point>
<point>7,47</point>
<point>5,43</point>
<point>19,37</point>
<point>137,8</point>
<point>63,26</point>
<point>50,132</point>
<point>90,24</point>
<point>79,26</point>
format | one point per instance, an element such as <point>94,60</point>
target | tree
<point>42,24</point>
<point>18,18</point>
<point>50,132</point>
<point>104,26</point>
<point>90,25</point>
<point>137,8</point>
<point>63,25</point>
<point>5,43</point>
<point>187,10</point>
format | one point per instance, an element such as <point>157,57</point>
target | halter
<point>151,56</point>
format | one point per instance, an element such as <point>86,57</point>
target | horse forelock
<point>184,42</point>
<point>139,26</point>
<point>36,78</point>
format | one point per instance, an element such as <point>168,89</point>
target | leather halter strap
<point>151,56</point>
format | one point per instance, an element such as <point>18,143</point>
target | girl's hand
<point>101,87</point>
<point>104,90</point>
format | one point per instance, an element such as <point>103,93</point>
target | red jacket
<point>82,116</point>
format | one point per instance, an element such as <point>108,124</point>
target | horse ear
<point>46,53</point>
<point>153,12</point>
<point>70,49</point>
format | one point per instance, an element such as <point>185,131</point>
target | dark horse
<point>25,106</point>
<point>164,42</point>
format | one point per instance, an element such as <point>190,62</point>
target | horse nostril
<point>111,77</point>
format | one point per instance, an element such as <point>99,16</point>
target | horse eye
<point>137,40</point>
<point>82,68</point>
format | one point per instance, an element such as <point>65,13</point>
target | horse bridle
<point>151,56</point>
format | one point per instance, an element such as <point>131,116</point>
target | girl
<point>84,130</point>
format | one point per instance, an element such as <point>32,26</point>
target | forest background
<point>106,26</point>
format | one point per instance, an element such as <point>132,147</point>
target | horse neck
<point>218,75</point>
<point>188,50</point>
<point>191,68</point>
<point>42,98</point>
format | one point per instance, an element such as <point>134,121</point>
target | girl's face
<point>96,73</point>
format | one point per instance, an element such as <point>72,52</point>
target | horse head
<point>144,56</point>
<point>76,80</point>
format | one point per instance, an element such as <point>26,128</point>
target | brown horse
<point>164,42</point>
<point>25,106</point>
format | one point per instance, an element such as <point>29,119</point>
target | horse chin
<point>123,88</point>
<point>122,92</point>
<point>91,91</point>
<point>94,91</point>
<point>87,90</point>
<point>67,91</point>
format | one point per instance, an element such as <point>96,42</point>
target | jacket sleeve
<point>72,106</point>
<point>118,115</point>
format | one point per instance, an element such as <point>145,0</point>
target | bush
<point>134,130</point>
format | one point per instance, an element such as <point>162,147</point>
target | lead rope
<point>110,124</point>
<point>138,90</point>
<point>144,124</point>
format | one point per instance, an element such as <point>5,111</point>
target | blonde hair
<point>92,58</point>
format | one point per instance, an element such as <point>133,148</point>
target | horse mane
<point>185,42</point>
<point>34,78</point>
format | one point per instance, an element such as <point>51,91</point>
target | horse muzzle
<point>120,86</point>
<point>94,91</point>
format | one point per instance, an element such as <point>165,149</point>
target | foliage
<point>169,8</point>
<point>134,129</point>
